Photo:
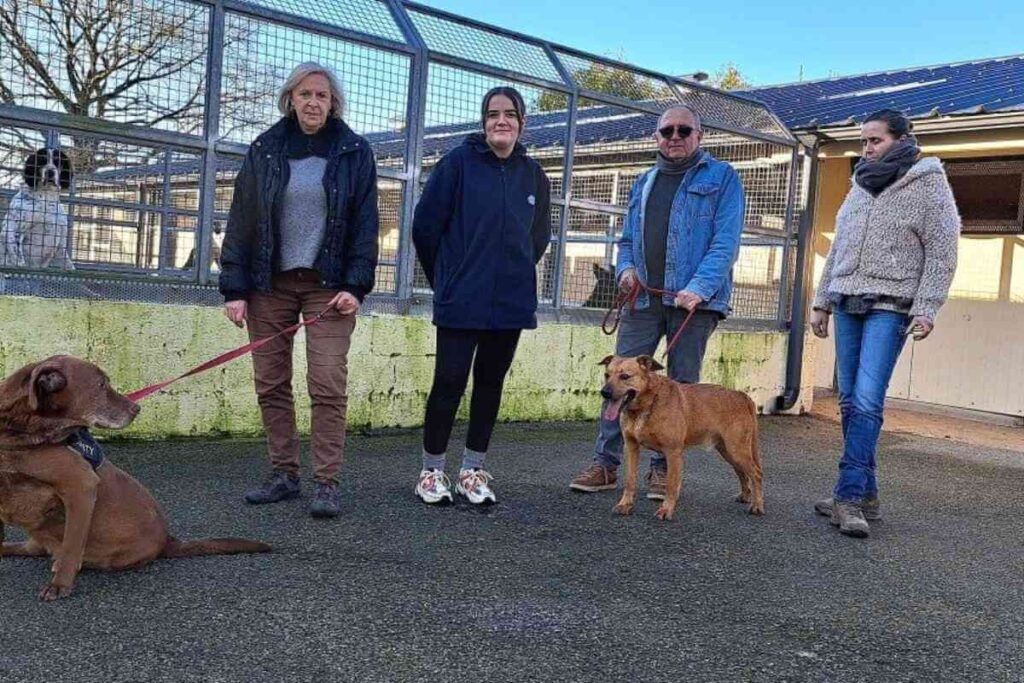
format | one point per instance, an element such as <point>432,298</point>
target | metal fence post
<point>211,128</point>
<point>415,121</point>
<point>572,99</point>
<point>782,315</point>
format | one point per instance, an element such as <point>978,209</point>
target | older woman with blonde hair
<point>302,238</point>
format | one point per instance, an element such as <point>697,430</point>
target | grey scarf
<point>875,176</point>
<point>670,167</point>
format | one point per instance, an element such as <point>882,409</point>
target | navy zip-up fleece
<point>480,228</point>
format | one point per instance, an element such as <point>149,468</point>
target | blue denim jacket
<point>703,233</point>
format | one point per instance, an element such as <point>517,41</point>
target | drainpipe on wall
<point>798,318</point>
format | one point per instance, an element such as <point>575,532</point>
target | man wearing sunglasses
<point>681,234</point>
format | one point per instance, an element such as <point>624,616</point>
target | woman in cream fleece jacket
<point>887,274</point>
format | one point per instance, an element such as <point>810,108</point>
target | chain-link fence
<point>145,108</point>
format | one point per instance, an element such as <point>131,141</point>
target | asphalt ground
<point>549,585</point>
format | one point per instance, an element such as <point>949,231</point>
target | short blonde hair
<point>284,98</point>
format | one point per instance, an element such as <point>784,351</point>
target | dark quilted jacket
<point>348,256</point>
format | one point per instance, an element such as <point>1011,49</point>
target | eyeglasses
<point>684,131</point>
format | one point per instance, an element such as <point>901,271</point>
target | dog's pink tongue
<point>611,410</point>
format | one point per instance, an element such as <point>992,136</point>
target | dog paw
<point>54,591</point>
<point>664,514</point>
<point>756,510</point>
<point>623,509</point>
<point>741,498</point>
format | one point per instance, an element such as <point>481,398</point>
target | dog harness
<point>81,442</point>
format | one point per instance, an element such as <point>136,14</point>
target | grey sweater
<point>303,213</point>
<point>902,243</point>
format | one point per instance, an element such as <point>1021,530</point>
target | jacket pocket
<point>700,199</point>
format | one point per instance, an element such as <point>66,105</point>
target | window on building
<point>989,195</point>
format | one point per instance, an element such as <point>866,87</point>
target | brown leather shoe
<point>594,478</point>
<point>656,484</point>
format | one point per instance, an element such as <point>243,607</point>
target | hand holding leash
<point>920,327</point>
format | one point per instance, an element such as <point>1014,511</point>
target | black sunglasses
<point>684,131</point>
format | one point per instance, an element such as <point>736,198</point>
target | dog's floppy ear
<point>45,379</point>
<point>649,364</point>
<point>606,360</point>
<point>33,164</point>
<point>65,167</point>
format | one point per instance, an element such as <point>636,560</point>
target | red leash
<point>140,394</point>
<point>629,298</point>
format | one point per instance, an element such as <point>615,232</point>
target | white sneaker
<point>433,487</point>
<point>475,486</point>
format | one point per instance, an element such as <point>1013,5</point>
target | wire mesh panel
<point>389,206</point>
<point>366,16</point>
<point>613,146</point>
<point>124,206</point>
<point>484,46</point>
<point>588,274</point>
<point>730,111</point>
<point>137,62</point>
<point>133,198</point>
<point>757,277</point>
<point>611,79</point>
<point>764,169</point>
<point>259,55</point>
<point>546,275</point>
<point>453,104</point>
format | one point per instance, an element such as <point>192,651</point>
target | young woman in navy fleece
<point>480,228</point>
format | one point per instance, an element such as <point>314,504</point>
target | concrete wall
<point>555,376</point>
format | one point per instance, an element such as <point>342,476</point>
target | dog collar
<point>81,442</point>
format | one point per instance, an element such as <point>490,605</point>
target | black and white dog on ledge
<point>35,231</point>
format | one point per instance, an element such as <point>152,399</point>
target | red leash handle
<point>226,357</point>
<point>614,313</point>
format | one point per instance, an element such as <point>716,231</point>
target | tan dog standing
<point>666,416</point>
<point>101,518</point>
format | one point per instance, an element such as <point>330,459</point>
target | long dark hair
<point>896,122</point>
<point>517,103</point>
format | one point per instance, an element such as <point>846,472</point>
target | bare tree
<point>137,62</point>
<point>107,59</point>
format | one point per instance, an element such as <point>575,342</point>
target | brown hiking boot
<point>656,484</point>
<point>594,478</point>
<point>871,508</point>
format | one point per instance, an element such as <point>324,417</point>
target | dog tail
<point>212,546</point>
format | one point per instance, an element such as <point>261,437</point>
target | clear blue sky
<point>768,40</point>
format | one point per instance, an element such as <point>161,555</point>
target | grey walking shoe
<point>279,486</point>
<point>850,520</point>
<point>326,501</point>
<point>871,508</point>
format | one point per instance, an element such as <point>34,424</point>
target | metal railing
<point>155,101</point>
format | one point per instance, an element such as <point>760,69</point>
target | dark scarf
<point>875,176</point>
<point>318,144</point>
<point>670,167</point>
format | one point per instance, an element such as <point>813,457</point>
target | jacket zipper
<point>504,212</point>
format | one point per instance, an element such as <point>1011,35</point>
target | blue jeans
<point>867,348</point>
<point>639,334</point>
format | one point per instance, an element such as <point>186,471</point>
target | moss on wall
<point>555,376</point>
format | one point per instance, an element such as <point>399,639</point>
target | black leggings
<point>494,351</point>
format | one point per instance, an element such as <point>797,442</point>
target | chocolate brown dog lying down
<point>101,518</point>
<point>666,416</point>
